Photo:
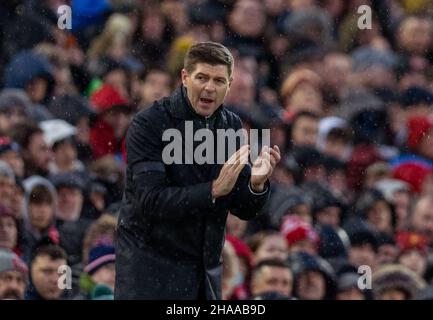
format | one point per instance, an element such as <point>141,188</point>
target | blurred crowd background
<point>350,108</point>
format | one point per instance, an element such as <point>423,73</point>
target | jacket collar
<point>180,107</point>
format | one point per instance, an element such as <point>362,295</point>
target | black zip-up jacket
<point>170,231</point>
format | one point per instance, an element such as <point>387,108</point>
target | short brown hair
<point>208,52</point>
<point>41,195</point>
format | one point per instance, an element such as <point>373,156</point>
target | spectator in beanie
<point>417,102</point>
<point>70,188</point>
<point>99,271</point>
<point>103,228</point>
<point>34,149</point>
<point>314,278</point>
<point>10,153</point>
<point>60,137</point>
<point>14,105</point>
<point>8,229</point>
<point>13,276</point>
<point>421,219</point>
<point>76,111</point>
<point>39,214</point>
<point>334,138</point>
<point>114,113</point>
<point>363,248</point>
<point>396,282</point>
<point>44,275</point>
<point>387,250</point>
<point>271,276</point>
<point>347,287</point>
<point>300,235</point>
<point>413,249</point>
<point>268,244</point>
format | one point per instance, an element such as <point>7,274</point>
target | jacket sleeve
<point>152,192</point>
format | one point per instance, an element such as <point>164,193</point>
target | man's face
<point>329,215</point>
<point>207,87</point>
<point>70,202</point>
<point>45,276</point>
<point>12,285</point>
<point>305,131</point>
<point>8,232</point>
<point>311,286</point>
<point>6,190</point>
<point>247,18</point>
<point>39,152</point>
<point>41,215</point>
<point>425,147</point>
<point>386,253</point>
<point>14,160</point>
<point>273,279</point>
<point>422,219</point>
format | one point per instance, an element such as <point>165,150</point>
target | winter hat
<point>326,125</point>
<point>56,130</point>
<point>347,280</point>
<point>416,95</point>
<point>107,97</point>
<point>367,57</point>
<point>100,256</point>
<point>9,261</point>
<point>396,276</point>
<point>408,241</point>
<point>285,199</point>
<point>71,108</point>
<point>418,127</point>
<point>414,173</point>
<point>390,186</point>
<point>68,180</point>
<point>14,97</point>
<point>363,236</point>
<point>241,248</point>
<point>295,229</point>
<point>333,242</point>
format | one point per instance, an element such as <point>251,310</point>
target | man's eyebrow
<point>202,74</point>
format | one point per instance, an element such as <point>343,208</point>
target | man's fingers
<point>275,152</point>
<point>237,155</point>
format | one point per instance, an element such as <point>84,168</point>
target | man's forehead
<point>218,70</point>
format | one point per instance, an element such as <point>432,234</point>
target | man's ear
<point>184,75</point>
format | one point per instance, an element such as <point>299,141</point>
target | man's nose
<point>210,86</point>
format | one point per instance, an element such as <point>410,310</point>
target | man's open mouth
<point>206,100</point>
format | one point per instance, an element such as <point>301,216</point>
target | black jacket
<point>170,232</point>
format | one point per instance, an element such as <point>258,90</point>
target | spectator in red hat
<point>420,136</point>
<point>245,256</point>
<point>300,235</point>
<point>413,251</point>
<point>114,114</point>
